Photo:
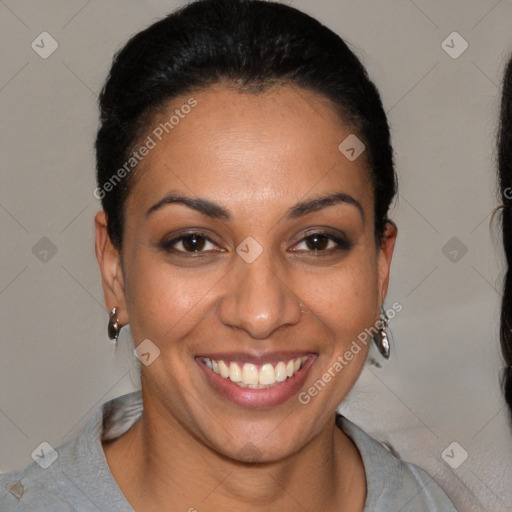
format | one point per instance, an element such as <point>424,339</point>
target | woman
<point>245,172</point>
<point>505,180</point>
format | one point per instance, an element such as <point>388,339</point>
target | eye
<point>323,242</point>
<point>189,243</point>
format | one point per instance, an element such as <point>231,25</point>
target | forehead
<point>243,149</point>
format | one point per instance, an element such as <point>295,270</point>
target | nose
<point>258,300</point>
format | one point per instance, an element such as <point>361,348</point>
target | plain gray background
<point>441,385</point>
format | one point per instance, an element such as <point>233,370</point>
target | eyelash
<point>342,243</point>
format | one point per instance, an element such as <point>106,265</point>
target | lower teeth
<point>254,386</point>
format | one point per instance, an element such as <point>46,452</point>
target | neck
<point>158,462</point>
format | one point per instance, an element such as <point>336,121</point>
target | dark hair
<point>250,45</point>
<point>505,182</point>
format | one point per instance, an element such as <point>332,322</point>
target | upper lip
<point>256,358</point>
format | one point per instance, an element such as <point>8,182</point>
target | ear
<point>385,254</point>
<point>109,260</point>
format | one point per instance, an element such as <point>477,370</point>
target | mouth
<point>264,381</point>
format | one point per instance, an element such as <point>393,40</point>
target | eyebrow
<point>215,211</point>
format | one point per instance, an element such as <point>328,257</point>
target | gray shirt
<point>76,476</point>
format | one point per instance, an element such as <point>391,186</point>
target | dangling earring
<point>113,328</point>
<point>381,337</point>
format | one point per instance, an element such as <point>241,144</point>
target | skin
<point>256,155</point>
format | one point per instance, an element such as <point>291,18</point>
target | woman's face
<point>229,256</point>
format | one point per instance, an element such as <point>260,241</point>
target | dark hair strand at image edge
<point>505,181</point>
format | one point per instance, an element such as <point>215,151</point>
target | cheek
<point>166,302</point>
<point>346,298</point>
<point>343,308</point>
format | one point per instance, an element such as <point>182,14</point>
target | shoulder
<point>35,488</point>
<point>75,475</point>
<point>393,484</point>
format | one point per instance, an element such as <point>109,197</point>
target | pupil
<point>317,242</point>
<point>193,243</point>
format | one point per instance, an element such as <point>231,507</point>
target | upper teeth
<point>250,376</point>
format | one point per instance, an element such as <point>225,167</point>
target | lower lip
<point>270,397</point>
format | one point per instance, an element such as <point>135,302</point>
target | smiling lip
<point>257,373</point>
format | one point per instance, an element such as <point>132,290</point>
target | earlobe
<point>385,256</point>
<point>109,261</point>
